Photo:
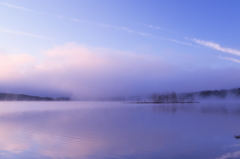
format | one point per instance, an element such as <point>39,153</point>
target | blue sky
<point>179,45</point>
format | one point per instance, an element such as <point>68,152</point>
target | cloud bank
<point>85,72</point>
<point>80,70</point>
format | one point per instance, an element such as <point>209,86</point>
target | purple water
<point>109,130</point>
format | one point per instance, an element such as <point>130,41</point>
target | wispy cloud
<point>125,29</point>
<point>136,32</point>
<point>184,43</point>
<point>89,22</point>
<point>173,40</point>
<point>229,58</point>
<point>140,33</point>
<point>19,7</point>
<point>217,47</point>
<point>24,34</point>
<point>153,27</point>
<point>133,31</point>
<point>158,28</point>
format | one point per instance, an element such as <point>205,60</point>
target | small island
<point>167,97</point>
<point>23,97</point>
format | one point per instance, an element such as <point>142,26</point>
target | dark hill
<point>23,97</point>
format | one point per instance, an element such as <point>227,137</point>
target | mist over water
<point>116,130</point>
<point>230,95</point>
<point>85,73</point>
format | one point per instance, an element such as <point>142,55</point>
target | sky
<point>104,48</point>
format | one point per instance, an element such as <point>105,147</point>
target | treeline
<point>220,93</point>
<point>169,97</point>
<point>214,93</point>
<point>23,97</point>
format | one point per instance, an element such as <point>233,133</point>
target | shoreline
<point>158,102</point>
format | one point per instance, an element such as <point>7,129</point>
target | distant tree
<point>173,97</point>
<point>167,97</point>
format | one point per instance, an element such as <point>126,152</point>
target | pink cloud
<point>13,66</point>
<point>82,70</point>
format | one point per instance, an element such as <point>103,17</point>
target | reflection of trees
<point>219,110</point>
<point>222,110</point>
<point>210,109</point>
<point>173,108</point>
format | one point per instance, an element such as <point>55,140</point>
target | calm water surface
<point>109,130</point>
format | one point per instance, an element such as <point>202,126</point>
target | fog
<point>83,72</point>
<point>231,95</point>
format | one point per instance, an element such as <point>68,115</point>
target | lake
<point>109,130</point>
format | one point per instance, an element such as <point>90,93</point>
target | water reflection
<point>173,108</point>
<point>114,130</point>
<point>206,108</point>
